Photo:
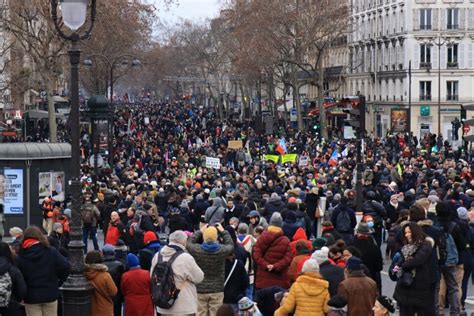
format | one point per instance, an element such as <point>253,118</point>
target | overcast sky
<point>194,10</point>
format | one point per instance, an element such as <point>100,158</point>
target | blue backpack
<point>448,252</point>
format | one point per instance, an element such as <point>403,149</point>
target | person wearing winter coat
<point>329,232</point>
<point>291,225</point>
<point>116,269</point>
<point>18,289</point>
<point>309,295</point>
<point>57,239</point>
<point>272,254</point>
<point>237,281</point>
<point>303,253</point>
<point>358,290</point>
<point>371,255</point>
<point>416,260</point>
<point>44,269</point>
<point>300,234</point>
<point>200,208</point>
<point>215,213</point>
<point>378,213</point>
<point>135,286</point>
<point>103,284</point>
<point>210,256</point>
<point>311,201</point>
<point>187,274</point>
<point>152,246</point>
<point>115,230</point>
<point>256,220</point>
<point>339,220</point>
<point>332,273</point>
<point>274,204</point>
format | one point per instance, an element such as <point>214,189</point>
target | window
<point>425,90</point>
<point>425,55</point>
<point>453,19</point>
<point>425,19</point>
<point>452,90</point>
<point>452,55</point>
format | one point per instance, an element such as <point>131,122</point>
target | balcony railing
<point>425,65</point>
<point>425,97</point>
<point>425,26</point>
<point>453,26</point>
<point>453,64</point>
<point>452,97</point>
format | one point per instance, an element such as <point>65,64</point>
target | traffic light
<point>316,126</point>
<point>355,124</point>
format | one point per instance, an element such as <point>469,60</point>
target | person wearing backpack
<point>186,274</point>
<point>89,215</point>
<point>344,220</point>
<point>452,242</point>
<point>12,284</point>
<point>135,287</point>
<point>152,246</point>
<point>210,255</point>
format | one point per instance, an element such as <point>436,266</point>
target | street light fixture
<point>76,291</point>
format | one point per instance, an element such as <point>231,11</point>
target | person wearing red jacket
<point>300,234</point>
<point>116,229</point>
<point>272,254</point>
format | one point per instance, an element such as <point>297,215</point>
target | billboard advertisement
<point>11,190</point>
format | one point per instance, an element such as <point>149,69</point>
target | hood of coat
<point>217,202</point>
<point>430,240</point>
<point>300,234</point>
<point>92,270</point>
<point>425,222</point>
<point>33,253</point>
<point>167,252</point>
<point>312,284</point>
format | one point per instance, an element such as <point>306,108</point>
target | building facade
<point>426,42</point>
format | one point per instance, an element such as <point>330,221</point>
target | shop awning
<point>40,115</point>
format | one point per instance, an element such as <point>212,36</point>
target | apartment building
<point>427,42</point>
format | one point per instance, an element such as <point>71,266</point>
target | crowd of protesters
<point>252,236</point>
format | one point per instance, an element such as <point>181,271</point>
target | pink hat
<point>292,200</point>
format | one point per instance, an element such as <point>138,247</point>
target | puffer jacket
<point>272,248</point>
<point>212,263</point>
<point>300,235</point>
<point>104,289</point>
<point>308,296</point>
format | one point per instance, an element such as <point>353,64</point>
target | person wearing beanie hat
<point>446,214</point>
<point>56,237</point>
<point>358,290</point>
<point>462,213</point>
<point>272,254</point>
<point>210,255</point>
<point>334,274</point>
<point>103,284</point>
<point>384,306</point>
<point>186,274</point>
<point>152,246</point>
<point>302,253</point>
<point>135,286</point>
<point>116,269</point>
<point>310,292</point>
<point>274,204</point>
<point>121,251</point>
<point>319,243</point>
<point>256,220</point>
<point>16,233</point>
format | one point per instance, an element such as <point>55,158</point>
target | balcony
<point>425,97</point>
<point>452,26</point>
<point>452,65</point>
<point>425,26</point>
<point>425,65</point>
<point>452,97</point>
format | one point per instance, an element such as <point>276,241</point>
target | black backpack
<point>163,289</point>
<point>343,222</point>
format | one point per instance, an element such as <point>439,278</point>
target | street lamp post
<point>439,42</point>
<point>112,64</point>
<point>76,291</point>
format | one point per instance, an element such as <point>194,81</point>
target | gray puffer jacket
<point>212,263</point>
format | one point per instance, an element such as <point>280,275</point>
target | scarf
<point>27,243</point>
<point>210,246</point>
<point>409,250</point>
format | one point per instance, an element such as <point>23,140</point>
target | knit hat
<point>275,197</point>
<point>443,209</point>
<point>276,220</point>
<point>354,264</point>
<point>292,200</point>
<point>363,228</point>
<point>57,226</point>
<point>67,212</point>
<point>310,265</point>
<point>254,214</point>
<point>149,237</point>
<point>210,234</point>
<point>321,255</point>
<point>387,303</point>
<point>132,261</point>
<point>108,249</point>
<point>245,304</point>
<point>462,213</point>
<point>319,242</point>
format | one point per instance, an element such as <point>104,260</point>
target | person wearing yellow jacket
<point>309,295</point>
